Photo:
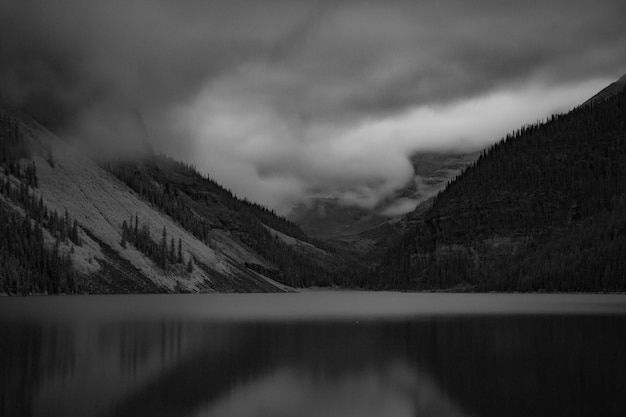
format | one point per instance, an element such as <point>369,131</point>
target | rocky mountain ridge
<point>109,215</point>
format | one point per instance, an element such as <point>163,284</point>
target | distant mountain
<point>330,218</point>
<point>543,209</point>
<point>146,224</point>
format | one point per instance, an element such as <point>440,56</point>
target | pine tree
<point>180,251</point>
<point>163,249</point>
<point>172,254</point>
<point>74,237</point>
<point>190,264</point>
<point>124,234</point>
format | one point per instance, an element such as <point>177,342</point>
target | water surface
<point>314,354</point>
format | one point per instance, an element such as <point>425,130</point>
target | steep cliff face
<point>545,208</point>
<point>128,242</point>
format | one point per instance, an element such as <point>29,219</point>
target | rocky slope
<point>105,257</point>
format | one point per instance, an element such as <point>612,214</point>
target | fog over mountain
<point>281,100</point>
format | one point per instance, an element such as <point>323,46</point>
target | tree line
<point>543,209</point>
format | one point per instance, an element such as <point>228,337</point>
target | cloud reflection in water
<point>394,390</point>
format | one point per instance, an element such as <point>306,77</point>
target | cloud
<point>401,206</point>
<point>280,100</point>
<point>269,157</point>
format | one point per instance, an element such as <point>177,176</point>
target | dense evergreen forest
<point>27,264</point>
<point>543,209</point>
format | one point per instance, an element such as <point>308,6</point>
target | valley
<point>541,210</point>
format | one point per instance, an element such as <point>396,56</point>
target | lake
<point>314,354</point>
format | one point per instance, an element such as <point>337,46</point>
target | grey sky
<point>281,100</point>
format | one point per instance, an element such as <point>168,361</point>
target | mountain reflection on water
<point>423,365</point>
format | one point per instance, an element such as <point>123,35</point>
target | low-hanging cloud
<point>283,100</point>
<point>274,158</point>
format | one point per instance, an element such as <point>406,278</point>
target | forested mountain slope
<point>543,209</point>
<point>210,212</point>
<point>68,225</point>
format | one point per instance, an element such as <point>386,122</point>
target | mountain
<point>608,91</point>
<point>365,233</point>
<point>543,209</point>
<point>149,224</point>
<point>330,218</point>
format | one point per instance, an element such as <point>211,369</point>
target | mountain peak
<point>608,91</point>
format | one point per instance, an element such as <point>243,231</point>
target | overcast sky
<point>281,100</point>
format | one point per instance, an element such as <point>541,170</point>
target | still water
<point>314,354</point>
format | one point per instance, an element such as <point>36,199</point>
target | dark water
<point>314,354</point>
